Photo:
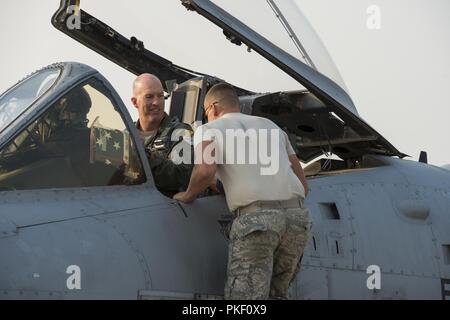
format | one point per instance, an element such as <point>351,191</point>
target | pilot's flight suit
<point>164,149</point>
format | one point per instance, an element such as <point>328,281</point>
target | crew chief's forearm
<point>201,178</point>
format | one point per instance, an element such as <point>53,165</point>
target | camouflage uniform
<point>169,176</point>
<point>264,252</point>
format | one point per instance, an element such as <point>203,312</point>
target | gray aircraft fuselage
<point>371,212</point>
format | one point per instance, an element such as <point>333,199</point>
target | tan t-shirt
<point>252,159</point>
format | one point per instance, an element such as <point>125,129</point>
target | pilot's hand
<point>183,197</point>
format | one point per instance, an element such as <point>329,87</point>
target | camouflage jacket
<point>161,150</point>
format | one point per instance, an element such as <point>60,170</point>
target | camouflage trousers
<point>264,252</point>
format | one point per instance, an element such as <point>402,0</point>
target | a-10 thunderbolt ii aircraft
<point>80,216</point>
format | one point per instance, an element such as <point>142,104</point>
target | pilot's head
<point>148,99</point>
<point>74,107</point>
